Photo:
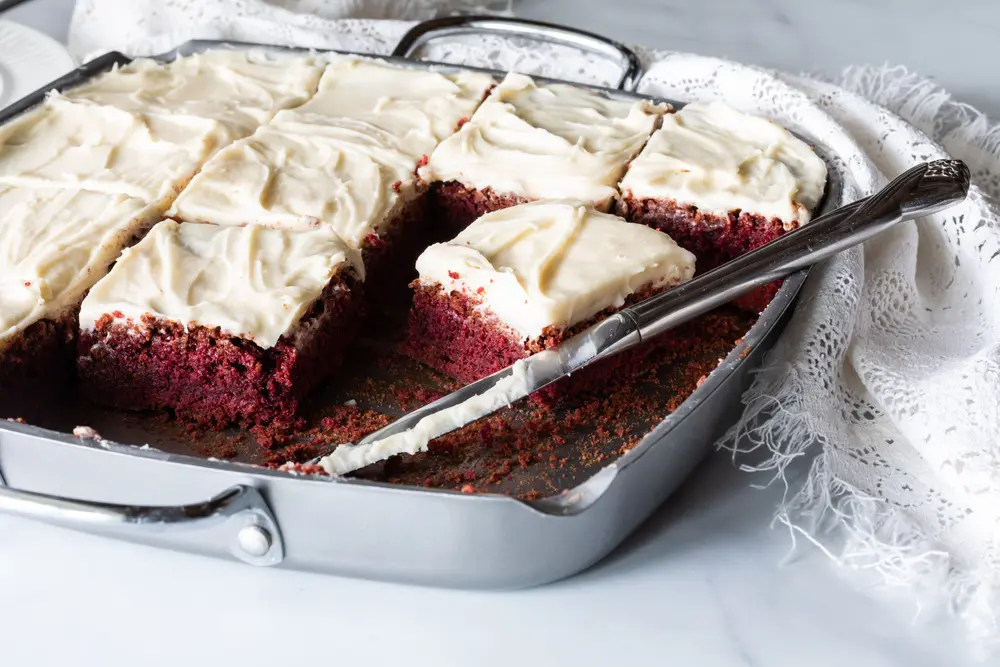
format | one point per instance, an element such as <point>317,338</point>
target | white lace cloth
<point>890,369</point>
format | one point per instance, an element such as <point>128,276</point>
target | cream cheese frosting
<point>242,89</point>
<point>54,245</point>
<point>347,175</point>
<point>251,282</point>
<point>545,141</point>
<point>104,149</point>
<point>719,159</point>
<point>553,263</point>
<point>420,107</point>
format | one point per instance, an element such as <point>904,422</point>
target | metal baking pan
<point>365,528</point>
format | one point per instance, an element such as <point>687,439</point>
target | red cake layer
<point>37,365</point>
<point>210,377</point>
<point>453,207</point>
<point>450,333</point>
<point>714,239</point>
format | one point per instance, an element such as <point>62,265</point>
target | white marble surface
<point>701,584</point>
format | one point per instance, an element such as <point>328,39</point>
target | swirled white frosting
<point>420,107</point>
<point>347,158</point>
<point>242,89</point>
<point>545,141</point>
<point>720,159</point>
<point>553,263</point>
<point>105,149</point>
<point>54,245</point>
<point>347,175</point>
<point>251,282</point>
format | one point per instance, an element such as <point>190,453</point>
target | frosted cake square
<point>54,245</point>
<point>522,279</point>
<point>84,146</point>
<point>241,89</point>
<point>419,107</point>
<point>346,176</point>
<point>532,141</point>
<point>222,325</point>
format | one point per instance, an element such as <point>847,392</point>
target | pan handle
<point>253,531</point>
<point>423,32</point>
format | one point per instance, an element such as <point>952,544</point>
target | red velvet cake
<point>223,325</point>
<point>56,245</point>
<point>721,182</point>
<point>303,185</point>
<point>522,279</point>
<point>532,141</point>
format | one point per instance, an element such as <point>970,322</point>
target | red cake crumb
<point>411,397</point>
<point>86,432</point>
<point>304,469</point>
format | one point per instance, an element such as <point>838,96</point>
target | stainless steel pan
<point>370,529</point>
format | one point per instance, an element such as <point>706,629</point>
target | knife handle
<point>925,189</point>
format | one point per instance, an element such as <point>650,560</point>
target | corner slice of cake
<point>419,106</point>
<point>520,280</point>
<point>85,146</point>
<point>222,325</point>
<point>532,141</point>
<point>54,245</point>
<point>241,89</point>
<point>722,182</point>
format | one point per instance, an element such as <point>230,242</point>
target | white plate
<point>28,60</point>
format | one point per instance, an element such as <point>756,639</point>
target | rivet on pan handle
<point>423,32</point>
<point>253,534</point>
